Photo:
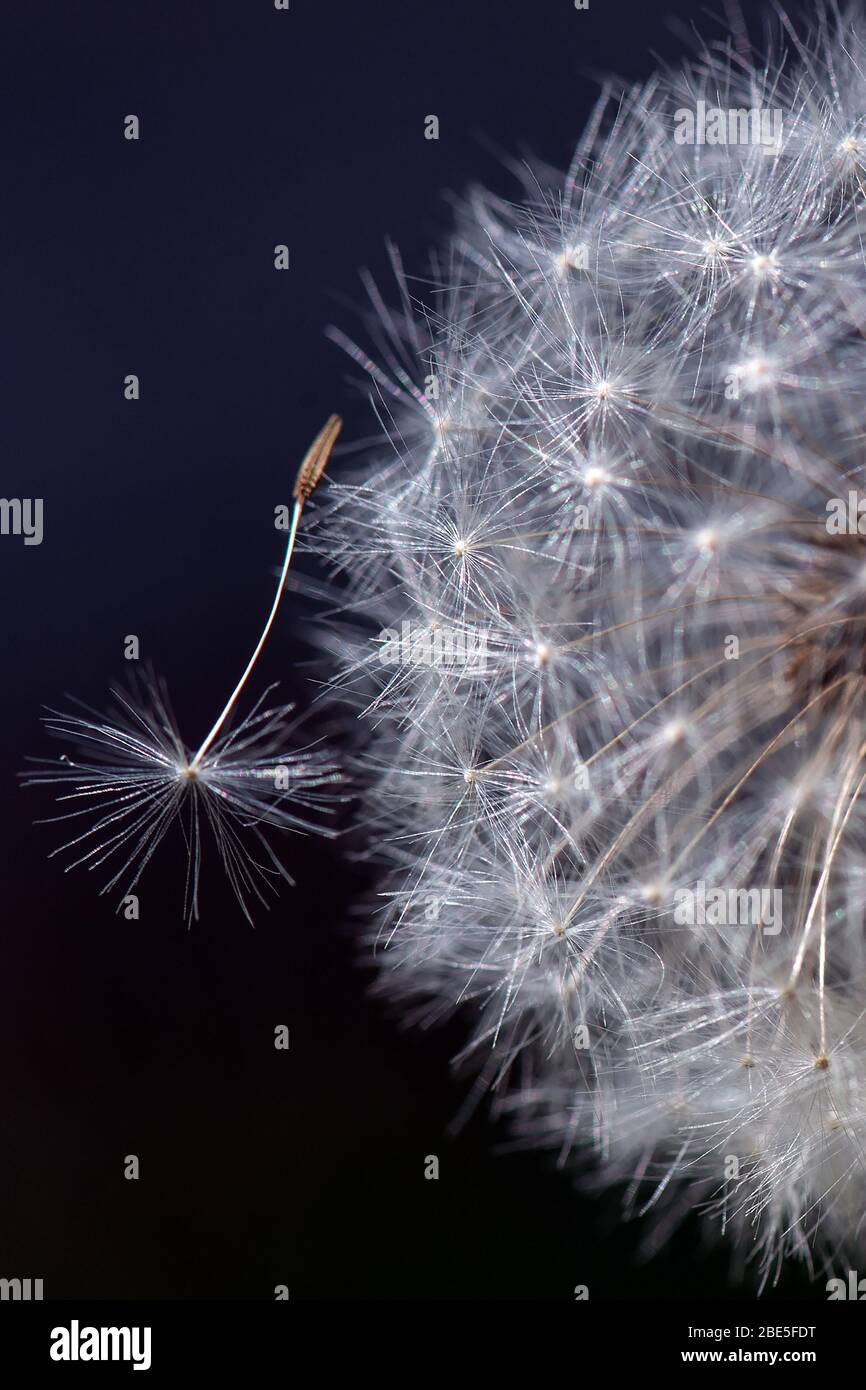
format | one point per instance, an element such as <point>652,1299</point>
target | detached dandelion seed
<point>132,777</point>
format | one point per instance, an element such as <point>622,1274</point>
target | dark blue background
<point>156,257</point>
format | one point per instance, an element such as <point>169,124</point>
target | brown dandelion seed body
<point>316,460</point>
<point>828,619</point>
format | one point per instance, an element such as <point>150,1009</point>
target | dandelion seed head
<point>669,729</point>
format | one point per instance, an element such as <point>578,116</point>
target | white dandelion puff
<point>633,845</point>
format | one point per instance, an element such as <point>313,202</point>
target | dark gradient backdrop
<point>156,257</point>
